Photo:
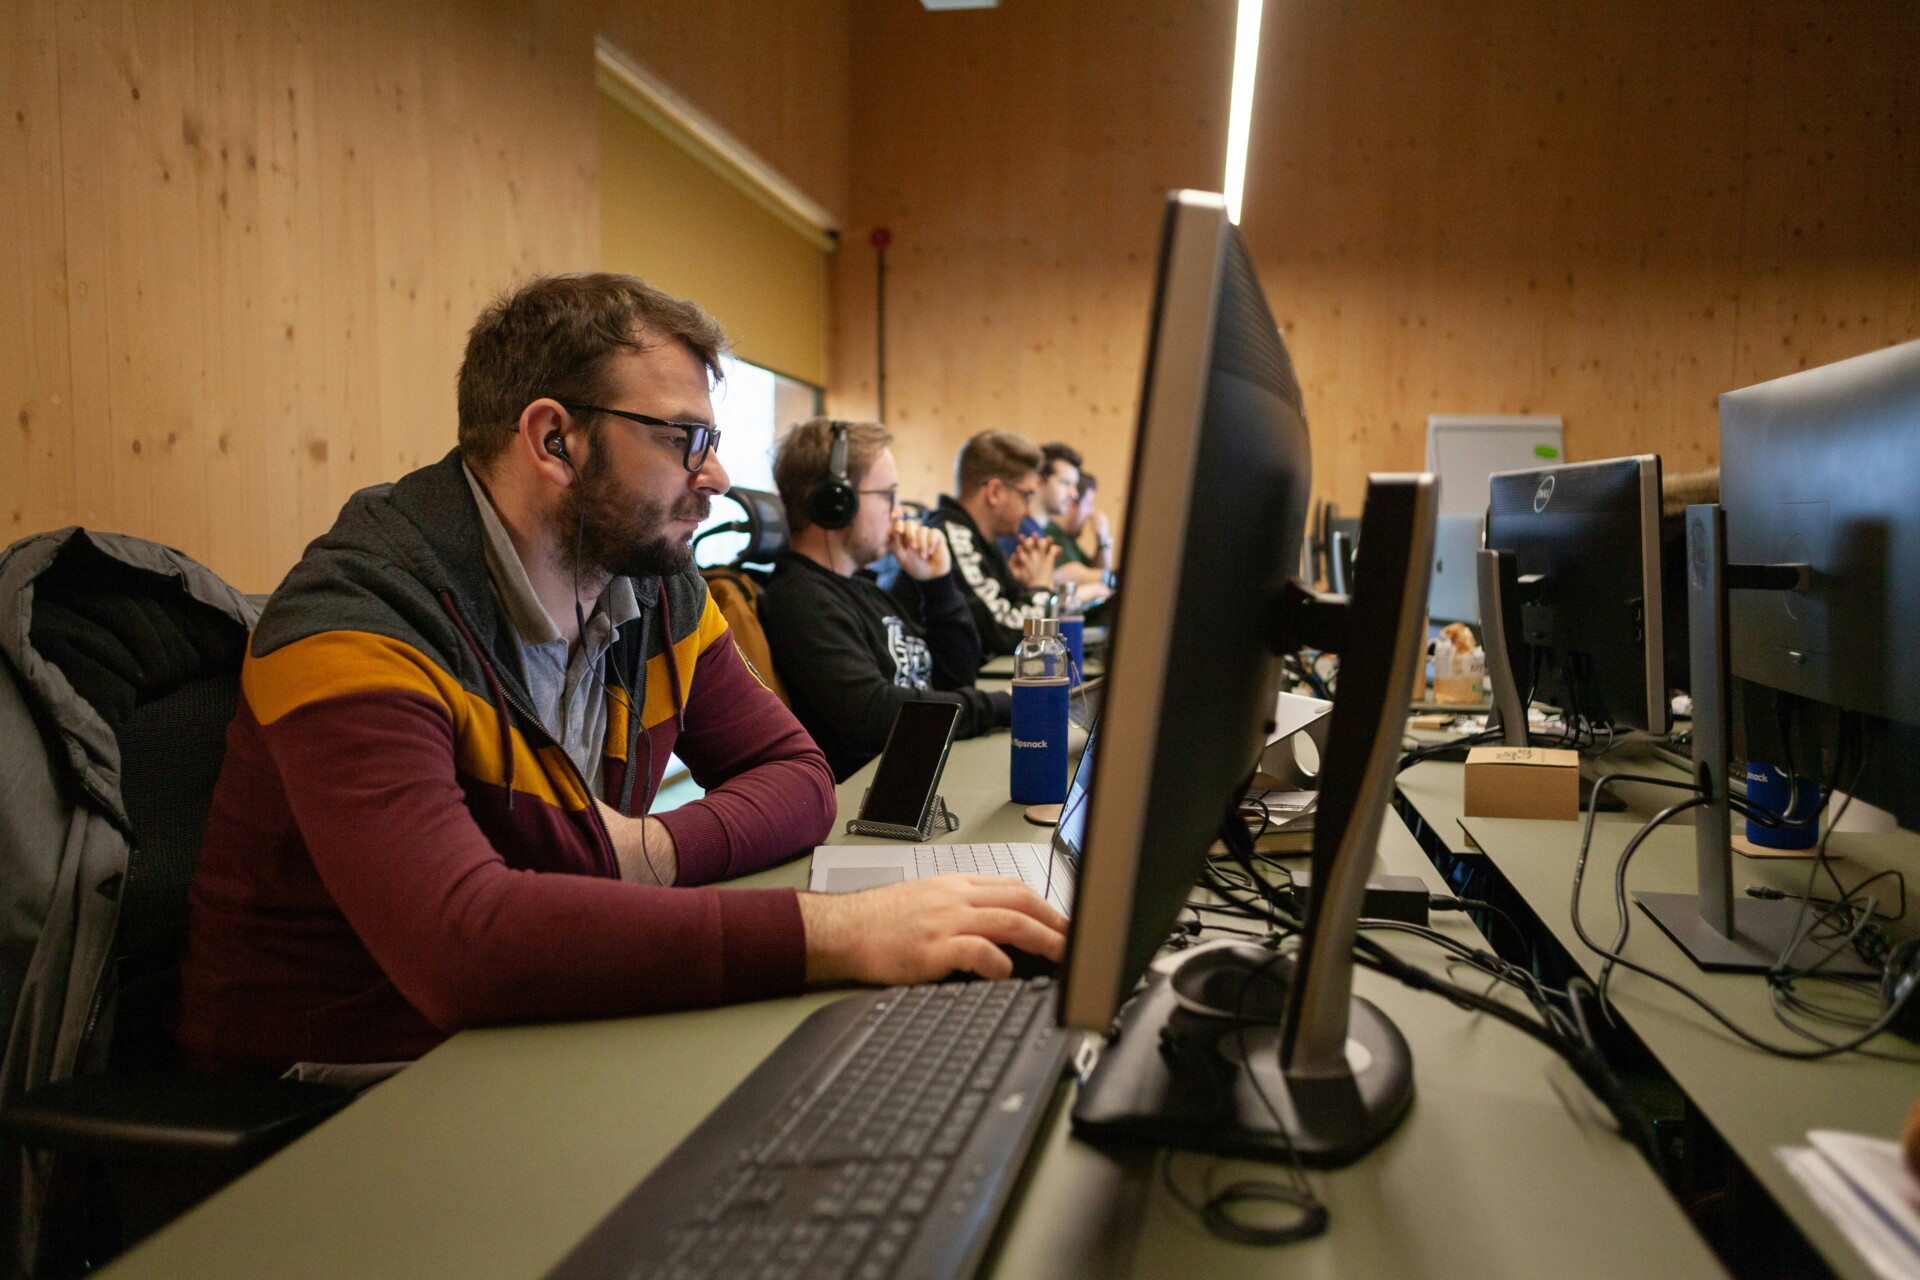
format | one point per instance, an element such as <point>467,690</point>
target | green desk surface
<point>499,1150</point>
<point>1757,1102</point>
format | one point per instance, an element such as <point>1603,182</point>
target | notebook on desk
<point>1048,869</point>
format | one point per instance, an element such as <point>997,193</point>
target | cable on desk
<point>1441,902</point>
<point>1586,1061</point>
<point>1524,980</point>
<point>1567,1034</point>
<point>1218,1207</point>
<point>1613,955</point>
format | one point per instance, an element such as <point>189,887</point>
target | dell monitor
<point>1217,510</point>
<point>1462,452</point>
<point>1804,595</point>
<point>1585,541</point>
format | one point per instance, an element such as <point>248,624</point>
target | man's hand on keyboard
<point>922,930</point>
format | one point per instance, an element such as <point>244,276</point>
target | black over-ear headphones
<point>832,503</point>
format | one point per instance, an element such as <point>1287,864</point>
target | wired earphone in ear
<point>556,444</point>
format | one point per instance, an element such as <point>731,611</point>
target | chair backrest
<point>171,749</point>
<point>763,522</point>
<point>162,670</point>
<point>767,533</point>
<point>738,596</point>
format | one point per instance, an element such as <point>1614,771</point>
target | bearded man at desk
<point>455,714</point>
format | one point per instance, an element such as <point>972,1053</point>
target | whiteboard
<point>1464,449</point>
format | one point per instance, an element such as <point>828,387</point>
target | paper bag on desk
<point>1523,782</point>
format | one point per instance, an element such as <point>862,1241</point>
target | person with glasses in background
<point>1085,539</point>
<point>434,811</point>
<point>848,652</point>
<point>996,478</point>
<point>1059,479</point>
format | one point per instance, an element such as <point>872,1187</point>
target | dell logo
<point>1544,494</point>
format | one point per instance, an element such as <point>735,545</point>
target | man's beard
<point>621,533</point>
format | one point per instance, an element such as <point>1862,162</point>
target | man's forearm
<point>643,846</point>
<point>769,790</point>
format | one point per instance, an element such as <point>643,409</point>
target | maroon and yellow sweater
<point>397,849</point>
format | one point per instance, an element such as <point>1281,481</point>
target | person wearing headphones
<point>455,712</point>
<point>848,652</point>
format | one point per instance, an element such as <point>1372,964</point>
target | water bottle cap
<point>1043,626</point>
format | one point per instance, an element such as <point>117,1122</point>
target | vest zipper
<point>502,694</point>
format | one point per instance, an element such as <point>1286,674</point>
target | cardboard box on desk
<point>1523,782</point>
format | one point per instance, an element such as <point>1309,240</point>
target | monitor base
<point>1762,929</point>
<point>1173,1078</point>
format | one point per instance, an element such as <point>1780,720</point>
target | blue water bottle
<point>1771,790</point>
<point>1039,772</point>
<point>1073,631</point>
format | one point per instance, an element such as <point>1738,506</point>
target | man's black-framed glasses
<point>892,495</point>
<point>698,441</point>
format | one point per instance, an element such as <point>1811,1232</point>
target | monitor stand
<point>1498,577</point>
<point>1716,930</point>
<point>1336,1072</point>
<point>1176,1078</point>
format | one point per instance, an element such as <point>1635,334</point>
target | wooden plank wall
<point>266,228</point>
<point>228,301</point>
<point>1019,157</point>
<point>1614,212</point>
<point>241,240</point>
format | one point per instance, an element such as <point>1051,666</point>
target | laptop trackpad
<point>853,879</point>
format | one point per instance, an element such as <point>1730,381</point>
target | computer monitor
<point>1804,591</point>
<point>1585,538</point>
<point>1217,507</point>
<point>1463,450</point>
<point>1823,468</point>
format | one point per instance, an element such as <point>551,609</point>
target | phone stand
<point>939,818</point>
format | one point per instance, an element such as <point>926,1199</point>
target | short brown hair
<point>994,453</point>
<point>801,462</point>
<point>551,337</point>
<point>1058,451</point>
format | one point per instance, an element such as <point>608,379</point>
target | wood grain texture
<point>1612,212</point>
<point>248,239</point>
<point>1020,157</point>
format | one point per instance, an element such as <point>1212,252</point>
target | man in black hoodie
<point>996,478</point>
<point>849,653</point>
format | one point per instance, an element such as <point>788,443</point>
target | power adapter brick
<point>1402,898</point>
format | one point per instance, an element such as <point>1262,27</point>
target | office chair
<point>735,587</point>
<point>137,1140</point>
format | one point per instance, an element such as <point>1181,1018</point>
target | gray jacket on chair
<point>63,846</point>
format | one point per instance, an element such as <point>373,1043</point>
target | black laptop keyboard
<point>878,1140</point>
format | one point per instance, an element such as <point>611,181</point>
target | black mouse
<point>1025,965</point>
<point>1028,965</point>
<point>1241,981</point>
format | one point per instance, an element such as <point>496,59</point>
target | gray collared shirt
<point>569,694</point>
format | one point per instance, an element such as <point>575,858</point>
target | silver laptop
<point>1049,870</point>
